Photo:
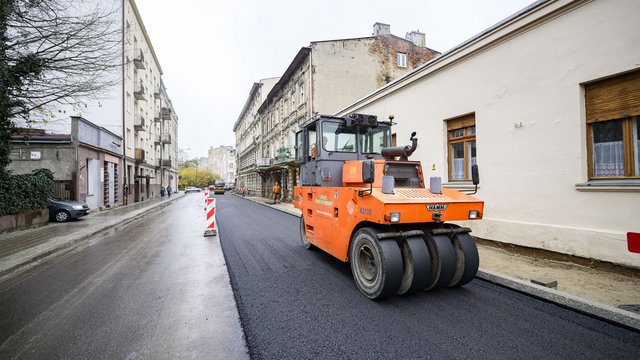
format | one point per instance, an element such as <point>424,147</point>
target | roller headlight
<point>394,217</point>
<point>474,214</point>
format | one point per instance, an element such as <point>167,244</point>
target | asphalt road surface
<point>156,289</point>
<point>297,304</point>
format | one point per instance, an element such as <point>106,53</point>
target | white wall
<point>529,72</point>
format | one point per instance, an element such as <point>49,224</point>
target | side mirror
<point>368,171</point>
<point>475,176</point>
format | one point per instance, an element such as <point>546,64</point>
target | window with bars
<point>613,127</point>
<point>461,141</point>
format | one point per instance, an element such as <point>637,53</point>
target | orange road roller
<point>363,201</point>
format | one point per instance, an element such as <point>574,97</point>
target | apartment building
<point>137,108</point>
<point>248,133</point>
<point>323,78</point>
<point>143,95</point>
<point>546,103</point>
<point>221,161</point>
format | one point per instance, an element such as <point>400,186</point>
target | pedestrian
<point>276,192</point>
<point>169,190</point>
<point>162,191</point>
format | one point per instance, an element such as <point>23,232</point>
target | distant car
<point>64,210</point>
<point>189,189</point>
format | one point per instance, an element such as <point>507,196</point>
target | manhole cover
<point>631,307</point>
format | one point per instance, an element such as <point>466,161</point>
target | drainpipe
<point>311,83</point>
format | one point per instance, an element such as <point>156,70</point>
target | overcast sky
<point>212,51</point>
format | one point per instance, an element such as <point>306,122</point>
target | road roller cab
<point>365,202</point>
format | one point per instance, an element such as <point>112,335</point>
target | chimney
<point>417,38</point>
<point>381,29</point>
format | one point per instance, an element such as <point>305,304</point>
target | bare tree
<point>54,52</point>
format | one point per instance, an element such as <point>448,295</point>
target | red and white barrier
<point>210,223</point>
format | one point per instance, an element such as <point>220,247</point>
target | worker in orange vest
<point>276,192</point>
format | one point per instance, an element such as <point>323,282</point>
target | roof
<point>416,73</point>
<point>300,57</point>
<point>252,93</point>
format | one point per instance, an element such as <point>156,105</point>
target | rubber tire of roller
<point>417,265</point>
<point>376,265</point>
<point>467,259</point>
<point>443,261</point>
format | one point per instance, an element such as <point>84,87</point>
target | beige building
<point>248,133</point>
<point>323,78</point>
<point>221,161</point>
<point>142,123</point>
<point>546,103</point>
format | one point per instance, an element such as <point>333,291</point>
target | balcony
<point>140,156</point>
<point>158,164</point>
<point>139,93</point>
<point>156,116</point>
<point>156,93</point>
<point>263,162</point>
<point>157,140</point>
<point>166,113</point>
<point>139,123</point>
<point>138,61</point>
<point>166,139</point>
<point>284,154</point>
<point>167,162</point>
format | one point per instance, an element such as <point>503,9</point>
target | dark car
<point>63,210</point>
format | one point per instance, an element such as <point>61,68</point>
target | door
<point>93,183</point>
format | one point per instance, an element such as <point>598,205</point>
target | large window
<point>372,140</point>
<point>461,140</point>
<point>613,127</point>
<point>337,137</point>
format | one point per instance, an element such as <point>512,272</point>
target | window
<point>129,138</point>
<point>128,103</point>
<point>286,107</point>
<point>372,140</point>
<point>402,59</point>
<point>293,101</point>
<point>301,93</point>
<point>613,127</point>
<point>337,137</point>
<point>461,140</point>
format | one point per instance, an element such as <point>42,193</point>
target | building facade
<point>551,118</point>
<point>248,133</point>
<point>86,163</point>
<point>221,161</point>
<point>323,78</point>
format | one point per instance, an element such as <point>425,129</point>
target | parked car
<point>189,189</point>
<point>64,210</point>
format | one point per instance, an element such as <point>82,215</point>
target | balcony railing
<point>263,162</point>
<point>284,154</point>
<point>166,138</point>
<point>166,113</point>
<point>157,140</point>
<point>138,61</point>
<point>139,93</point>
<point>140,156</point>
<point>167,162</point>
<point>139,123</point>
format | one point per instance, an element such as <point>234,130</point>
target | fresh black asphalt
<point>299,304</point>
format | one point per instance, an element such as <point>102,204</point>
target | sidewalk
<point>593,288</point>
<point>22,250</point>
